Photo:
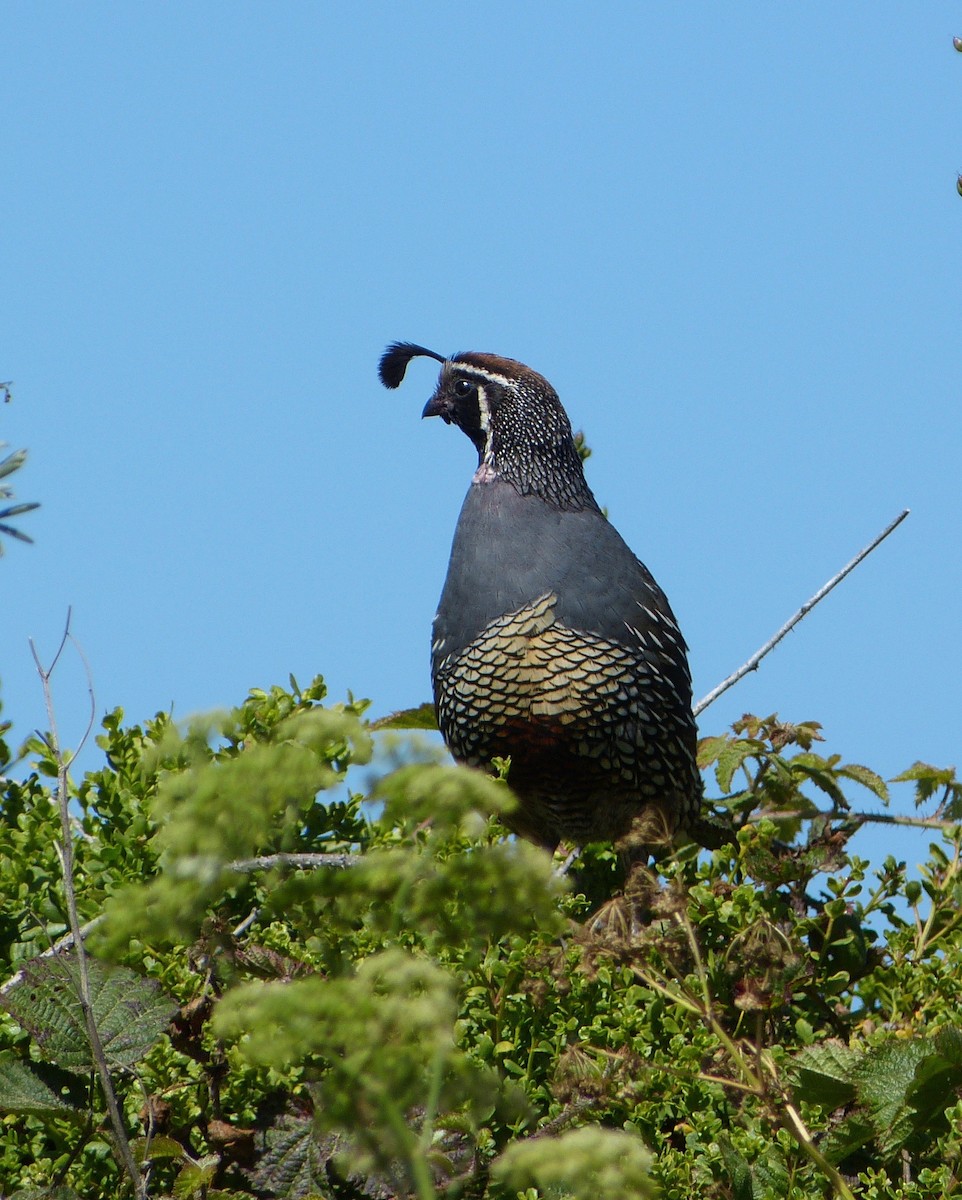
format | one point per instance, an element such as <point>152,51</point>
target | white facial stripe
<point>481,373</point>
<point>484,420</point>
<point>484,411</point>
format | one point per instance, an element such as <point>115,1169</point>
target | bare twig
<point>756,658</point>
<point>266,862</point>
<point>65,850</point>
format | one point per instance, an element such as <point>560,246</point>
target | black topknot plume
<point>395,359</point>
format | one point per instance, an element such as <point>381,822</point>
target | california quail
<point>553,645</point>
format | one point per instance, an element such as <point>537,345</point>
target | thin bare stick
<point>45,675</point>
<point>267,862</point>
<point>65,850</point>
<point>92,715</point>
<point>756,658</point>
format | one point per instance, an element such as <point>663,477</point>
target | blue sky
<point>729,235</point>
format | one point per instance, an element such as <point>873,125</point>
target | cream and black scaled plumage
<point>553,645</point>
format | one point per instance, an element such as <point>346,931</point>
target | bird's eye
<point>463,388</point>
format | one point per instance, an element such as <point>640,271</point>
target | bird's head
<point>511,414</point>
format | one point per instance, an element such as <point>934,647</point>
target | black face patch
<point>462,399</point>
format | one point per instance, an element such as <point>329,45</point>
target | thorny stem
<point>756,658</point>
<point>862,818</point>
<point>65,852</point>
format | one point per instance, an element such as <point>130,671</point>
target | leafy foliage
<point>45,1001</point>
<point>304,989</point>
<point>9,465</point>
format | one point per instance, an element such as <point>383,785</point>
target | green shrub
<point>306,990</point>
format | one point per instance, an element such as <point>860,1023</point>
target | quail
<point>553,645</point>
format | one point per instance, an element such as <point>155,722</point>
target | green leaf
<point>195,1176</point>
<point>824,1074</point>
<point>928,780</point>
<point>937,1076</point>
<point>883,1081</point>
<point>770,1175</point>
<point>27,1087</point>
<point>731,758</point>
<point>851,1134</point>
<point>739,1170</point>
<point>821,774</point>
<point>867,778</point>
<point>422,717</point>
<point>156,1148</point>
<point>292,1163</point>
<point>130,1012</point>
<point>710,748</point>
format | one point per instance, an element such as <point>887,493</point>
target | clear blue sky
<point>729,235</point>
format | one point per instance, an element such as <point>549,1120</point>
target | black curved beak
<point>436,407</point>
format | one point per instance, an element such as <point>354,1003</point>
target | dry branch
<point>756,658</point>
<point>65,851</point>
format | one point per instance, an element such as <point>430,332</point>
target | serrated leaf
<point>292,1161</point>
<point>925,773</point>
<point>156,1148</point>
<point>948,1044</point>
<point>770,1175</point>
<point>23,1088</point>
<point>195,1176</point>
<point>422,717</point>
<point>824,1074</point>
<point>928,780</point>
<point>731,758</point>
<point>937,1076</point>
<point>739,1171</point>
<point>849,1135</point>
<point>867,778</point>
<point>806,732</point>
<point>709,749</point>
<point>882,1083</point>
<point>822,778</point>
<point>130,1012</point>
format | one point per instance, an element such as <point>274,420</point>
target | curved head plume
<point>395,359</point>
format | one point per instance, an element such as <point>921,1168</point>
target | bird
<point>553,646</point>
